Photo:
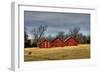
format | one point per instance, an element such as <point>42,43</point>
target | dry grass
<point>58,53</point>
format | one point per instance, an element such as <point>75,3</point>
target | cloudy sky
<point>57,22</point>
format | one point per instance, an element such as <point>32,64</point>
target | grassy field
<point>59,53</point>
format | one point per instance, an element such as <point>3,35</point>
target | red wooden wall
<point>57,43</point>
<point>45,44</point>
<point>71,41</point>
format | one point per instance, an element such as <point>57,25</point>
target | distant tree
<point>74,32</point>
<point>61,35</point>
<point>38,33</point>
<point>66,36</point>
<point>25,36</point>
<point>82,39</point>
<point>26,40</point>
<point>88,39</point>
<point>50,38</point>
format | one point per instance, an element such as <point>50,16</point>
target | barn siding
<point>45,44</point>
<point>71,41</point>
<point>57,43</point>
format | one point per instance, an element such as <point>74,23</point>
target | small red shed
<point>57,42</point>
<point>45,44</point>
<point>71,41</point>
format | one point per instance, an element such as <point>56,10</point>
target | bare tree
<point>82,39</point>
<point>25,36</point>
<point>39,32</point>
<point>88,39</point>
<point>61,35</point>
<point>74,32</point>
<point>50,37</point>
<point>26,40</point>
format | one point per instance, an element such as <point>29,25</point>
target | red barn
<point>71,41</point>
<point>57,42</point>
<point>45,44</point>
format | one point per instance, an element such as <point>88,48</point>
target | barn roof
<point>70,38</point>
<point>44,41</point>
<point>57,38</point>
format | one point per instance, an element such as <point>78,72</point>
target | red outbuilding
<point>45,44</point>
<point>71,41</point>
<point>57,42</point>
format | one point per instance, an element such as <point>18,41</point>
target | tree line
<point>38,36</point>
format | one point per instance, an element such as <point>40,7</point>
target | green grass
<point>58,53</point>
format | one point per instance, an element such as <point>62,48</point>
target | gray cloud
<point>57,21</point>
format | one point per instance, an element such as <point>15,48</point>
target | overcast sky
<point>57,22</point>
